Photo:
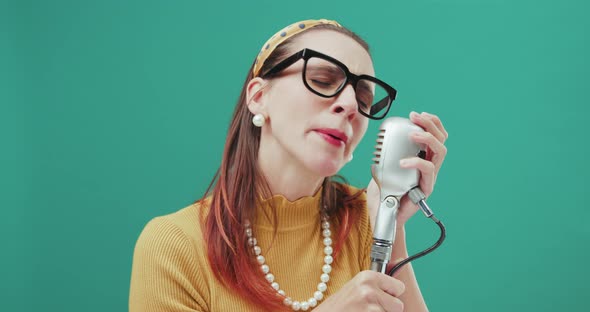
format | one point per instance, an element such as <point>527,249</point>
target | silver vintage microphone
<point>393,144</point>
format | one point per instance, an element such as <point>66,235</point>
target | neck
<point>286,176</point>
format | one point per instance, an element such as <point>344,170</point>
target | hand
<point>434,137</point>
<point>367,291</point>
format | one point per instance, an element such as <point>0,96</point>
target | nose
<point>346,102</point>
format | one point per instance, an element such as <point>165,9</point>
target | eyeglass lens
<point>327,78</point>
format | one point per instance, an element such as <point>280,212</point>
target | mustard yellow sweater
<point>171,272</point>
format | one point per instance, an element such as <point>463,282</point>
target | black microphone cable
<point>418,198</point>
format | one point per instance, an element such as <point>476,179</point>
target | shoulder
<point>178,232</point>
<point>354,200</point>
<point>351,196</point>
<point>169,270</point>
<point>361,235</point>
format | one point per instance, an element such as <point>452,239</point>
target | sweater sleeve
<point>165,276</point>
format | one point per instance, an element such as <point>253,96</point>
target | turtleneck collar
<point>291,215</point>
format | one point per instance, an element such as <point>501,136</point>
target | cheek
<point>289,100</point>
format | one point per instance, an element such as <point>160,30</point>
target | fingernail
<point>415,115</point>
<point>403,162</point>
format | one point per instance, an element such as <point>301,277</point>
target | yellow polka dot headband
<point>283,35</point>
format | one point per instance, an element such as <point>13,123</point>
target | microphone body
<point>393,144</point>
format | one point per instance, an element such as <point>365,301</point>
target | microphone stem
<point>384,233</point>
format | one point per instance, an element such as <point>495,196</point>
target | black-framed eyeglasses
<point>327,77</point>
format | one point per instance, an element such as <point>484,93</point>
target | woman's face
<point>319,134</point>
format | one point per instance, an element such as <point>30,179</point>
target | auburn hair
<point>234,195</point>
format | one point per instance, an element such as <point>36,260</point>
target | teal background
<point>114,112</point>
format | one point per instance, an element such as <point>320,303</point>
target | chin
<point>325,167</point>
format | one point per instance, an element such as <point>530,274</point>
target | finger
<point>427,124</point>
<point>389,303</point>
<point>391,286</point>
<point>439,150</point>
<point>427,172</point>
<point>436,120</point>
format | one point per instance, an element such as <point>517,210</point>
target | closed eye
<point>322,83</point>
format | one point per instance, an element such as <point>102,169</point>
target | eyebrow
<point>329,68</point>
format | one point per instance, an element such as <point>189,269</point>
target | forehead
<point>339,46</point>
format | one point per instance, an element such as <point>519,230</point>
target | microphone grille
<point>379,146</point>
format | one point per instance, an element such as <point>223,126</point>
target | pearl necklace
<point>324,278</point>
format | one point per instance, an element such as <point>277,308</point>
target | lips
<point>333,136</point>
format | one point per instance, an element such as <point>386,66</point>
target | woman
<point>274,231</point>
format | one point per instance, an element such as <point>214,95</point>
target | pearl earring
<point>350,159</point>
<point>258,120</point>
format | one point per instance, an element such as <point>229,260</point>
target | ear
<point>255,91</point>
